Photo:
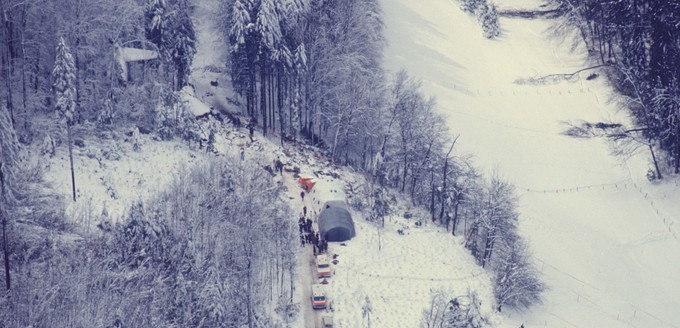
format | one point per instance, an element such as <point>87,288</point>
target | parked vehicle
<point>319,300</point>
<point>326,320</point>
<point>323,266</point>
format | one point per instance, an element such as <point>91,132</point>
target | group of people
<point>309,236</point>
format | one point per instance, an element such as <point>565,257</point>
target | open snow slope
<point>605,239</point>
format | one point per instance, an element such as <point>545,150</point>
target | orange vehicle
<point>306,183</point>
<point>323,266</point>
<point>319,300</point>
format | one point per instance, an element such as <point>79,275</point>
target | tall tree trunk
<point>656,163</point>
<point>36,78</point>
<point>432,192</point>
<point>416,174</point>
<point>280,89</point>
<point>249,293</point>
<point>335,139</point>
<point>270,103</point>
<point>5,250</point>
<point>403,177</point>
<point>488,246</point>
<point>292,106</point>
<point>8,62</point>
<point>677,151</point>
<point>70,157</point>
<point>23,59</point>
<point>263,97</point>
<point>346,134</point>
<point>387,135</point>
<point>455,215</point>
<point>79,70</point>
<point>444,180</point>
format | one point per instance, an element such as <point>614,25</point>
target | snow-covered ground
<point>395,271</point>
<point>605,239</point>
<point>110,175</point>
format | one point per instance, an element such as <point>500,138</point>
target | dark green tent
<point>335,222</point>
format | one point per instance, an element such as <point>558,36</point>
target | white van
<point>319,300</point>
<point>323,266</point>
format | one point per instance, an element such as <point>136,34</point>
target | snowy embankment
<point>605,238</point>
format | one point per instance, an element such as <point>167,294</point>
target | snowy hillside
<point>213,238</point>
<point>605,238</point>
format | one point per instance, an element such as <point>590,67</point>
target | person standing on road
<point>302,195</point>
<point>315,248</point>
<point>279,166</point>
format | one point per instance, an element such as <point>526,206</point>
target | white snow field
<point>396,272</point>
<point>605,239</point>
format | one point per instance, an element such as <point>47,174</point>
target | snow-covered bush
<point>210,147</point>
<point>651,175</point>
<point>143,239</point>
<point>136,140</point>
<point>106,115</point>
<point>489,19</point>
<point>517,283</point>
<point>485,13</point>
<point>48,146</point>
<point>449,311</point>
<point>166,120</point>
<point>471,6</point>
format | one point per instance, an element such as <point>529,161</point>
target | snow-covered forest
<point>137,136</point>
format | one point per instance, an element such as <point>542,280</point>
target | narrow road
<point>208,69</point>
<point>305,258</point>
<point>311,317</point>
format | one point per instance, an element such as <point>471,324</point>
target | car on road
<point>323,266</point>
<point>319,300</point>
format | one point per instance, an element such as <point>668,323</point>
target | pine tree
<point>64,81</point>
<point>243,50</point>
<point>300,64</point>
<point>267,25</point>
<point>240,25</point>
<point>64,74</point>
<point>169,27</point>
<point>268,29</point>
